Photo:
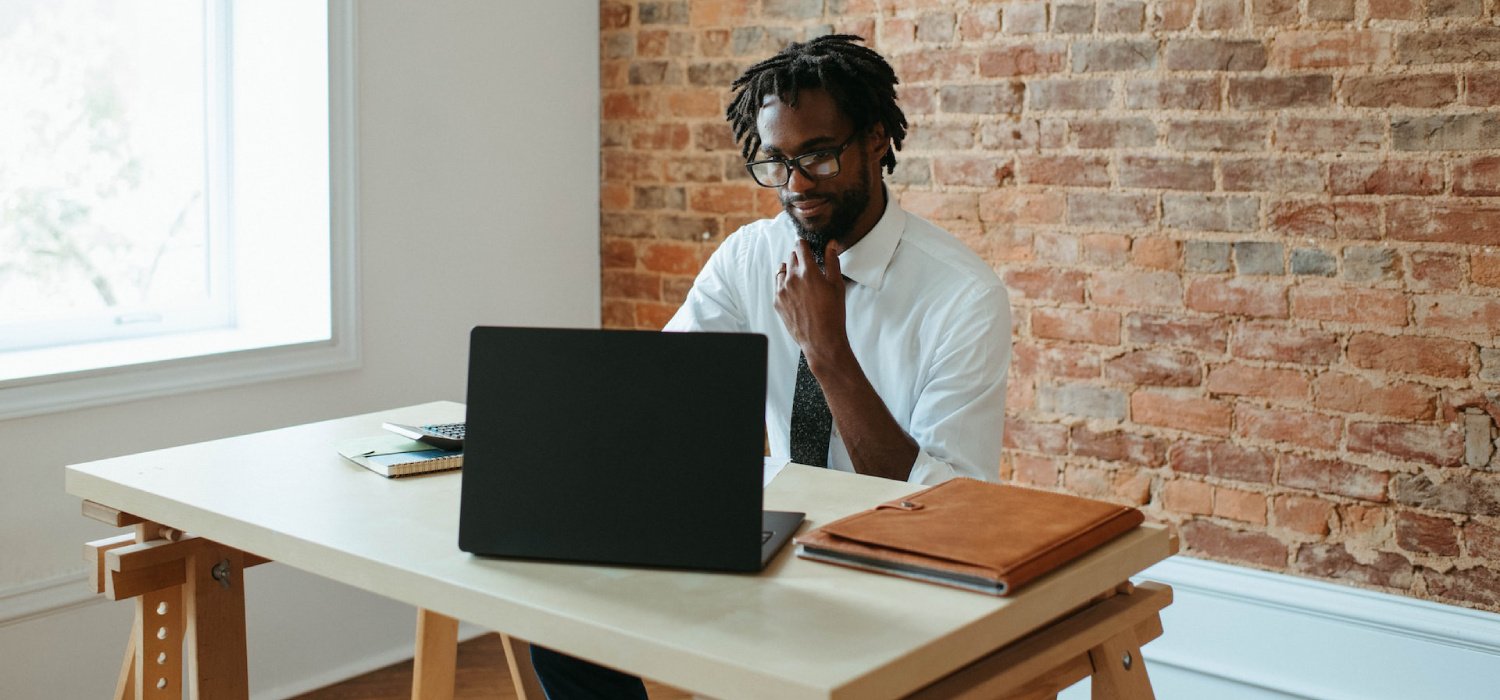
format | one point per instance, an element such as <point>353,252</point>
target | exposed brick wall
<point>1253,246</point>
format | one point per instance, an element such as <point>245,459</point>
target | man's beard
<point>845,207</point>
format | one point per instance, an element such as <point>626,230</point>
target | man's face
<point>828,209</point>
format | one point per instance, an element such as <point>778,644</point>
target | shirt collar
<point>867,261</point>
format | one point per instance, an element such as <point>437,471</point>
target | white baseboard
<point>397,654</point>
<point>48,596</point>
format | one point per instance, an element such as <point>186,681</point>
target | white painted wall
<point>478,154</point>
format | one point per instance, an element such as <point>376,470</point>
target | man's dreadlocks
<point>860,81</point>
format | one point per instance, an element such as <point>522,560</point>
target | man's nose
<point>798,182</point>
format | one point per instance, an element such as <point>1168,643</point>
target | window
<point>176,184</point>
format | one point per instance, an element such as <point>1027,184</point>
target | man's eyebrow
<point>808,145</point>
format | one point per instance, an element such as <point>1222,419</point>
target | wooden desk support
<point>189,598</point>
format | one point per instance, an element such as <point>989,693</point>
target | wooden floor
<point>482,675</point>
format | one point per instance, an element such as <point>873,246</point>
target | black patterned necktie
<point>812,423</point>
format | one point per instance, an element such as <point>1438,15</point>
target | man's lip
<point>808,206</point>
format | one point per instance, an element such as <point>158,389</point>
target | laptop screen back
<point>622,447</point>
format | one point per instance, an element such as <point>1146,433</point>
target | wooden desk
<point>800,629</point>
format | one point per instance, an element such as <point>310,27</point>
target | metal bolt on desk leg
<point>1126,660</point>
<point>220,572</point>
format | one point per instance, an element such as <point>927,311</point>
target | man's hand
<point>811,303</point>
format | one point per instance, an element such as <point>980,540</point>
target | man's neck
<point>867,220</point>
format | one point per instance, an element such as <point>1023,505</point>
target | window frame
<point>65,391</point>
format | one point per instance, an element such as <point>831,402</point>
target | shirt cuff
<point>930,470</point>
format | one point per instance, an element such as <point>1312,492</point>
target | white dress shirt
<point>927,319</point>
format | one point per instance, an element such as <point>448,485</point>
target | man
<point>889,339</point>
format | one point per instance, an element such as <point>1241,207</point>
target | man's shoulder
<point>941,256</point>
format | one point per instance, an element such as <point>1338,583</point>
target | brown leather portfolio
<point>971,534</point>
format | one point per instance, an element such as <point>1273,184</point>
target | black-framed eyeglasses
<point>817,165</point>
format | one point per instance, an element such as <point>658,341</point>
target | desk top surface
<point>800,629</point>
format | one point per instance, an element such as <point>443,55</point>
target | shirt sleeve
<point>959,418</point>
<point>713,303</point>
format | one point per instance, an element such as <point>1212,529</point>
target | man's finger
<point>832,268</point>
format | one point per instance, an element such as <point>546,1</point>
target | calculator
<point>448,436</point>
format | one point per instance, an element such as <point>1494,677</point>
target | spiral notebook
<point>393,456</point>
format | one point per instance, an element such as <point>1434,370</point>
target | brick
<point>1151,172</point>
<point>1172,15</point>
<point>1475,586</point>
<point>1446,132</point>
<point>1221,14</point>
<point>1455,8</point>
<point>937,26</point>
<point>1157,253</point>
<point>1426,534</point>
<point>1173,93</point>
<point>1452,491</point>
<point>1207,256</point>
<point>1133,486</point>
<point>911,171</point>
<point>671,258</point>
<point>1236,504</point>
<point>1012,206</point>
<point>1354,394</point>
<point>687,228</point>
<point>1309,516</point>
<point>1455,45</point>
<point>1267,382</point>
<point>1108,250</point>
<point>625,225</point>
<point>1076,171</point>
<point>976,171</point>
<point>982,99</point>
<point>1215,55</point>
<point>1387,307</point>
<point>622,284</point>
<point>1484,268</point>
<point>1333,10</point>
<point>1137,290</point>
<point>1155,368</point>
<point>1128,16</point>
<point>713,73</point>
<point>1395,9</point>
<point>1069,94</point>
<point>1280,92</point>
<point>1363,522</point>
<point>1082,400</point>
<point>660,137</point>
<point>1426,91</point>
<point>942,206</point>
<point>657,43</point>
<point>1189,413</point>
<point>1117,446</point>
<point>1459,314</point>
<point>1028,135</point>
<point>1046,284</point>
<point>1195,333</point>
<point>655,73</point>
<point>1067,361</point>
<point>614,15</point>
<point>1334,477</point>
<point>1280,343</point>
<point>792,9</point>
<point>1295,218</point>
<point>1259,258</point>
<point>944,67</point>
<point>1431,444</point>
<point>1114,55</point>
<point>711,136</point>
<point>1312,262</point>
<point>1112,210</point>
<point>1080,325</point>
<point>1481,541</point>
<point>1034,471</point>
<point>1386,177</point>
<point>1238,297</point>
<point>668,12</point>
<point>617,314</point>
<point>1471,222</point>
<point>982,24</point>
<point>1046,438</point>
<point>1022,59</point>
<point>1113,133</point>
<point>659,197</point>
<point>696,103</point>
<point>615,253</point>
<point>1477,177</point>
<point>1325,49</point>
<point>1435,357</point>
<point>1272,175</point>
<point>1284,425</point>
<point>1192,497</point>
<point>1219,542</point>
<point>1483,88</point>
<point>1024,18</point>
<point>940,136</point>
<point>1199,212</point>
<point>1222,460</point>
<point>674,289</point>
<point>1333,561</point>
<point>628,105</point>
<point>1489,360</point>
<point>1273,13</point>
<point>1317,134</point>
<point>1431,272</point>
<point>1072,19</point>
<point>616,45</point>
<point>1087,481</point>
<point>1218,135</point>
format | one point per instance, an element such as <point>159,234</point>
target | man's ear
<point>880,143</point>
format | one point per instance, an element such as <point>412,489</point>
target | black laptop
<point>618,447</point>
